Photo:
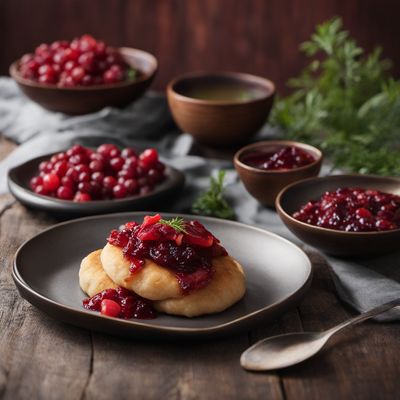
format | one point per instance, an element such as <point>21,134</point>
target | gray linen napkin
<point>360,283</point>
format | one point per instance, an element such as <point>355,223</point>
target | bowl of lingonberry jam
<point>84,181</point>
<point>345,215</point>
<point>83,75</point>
<point>266,167</point>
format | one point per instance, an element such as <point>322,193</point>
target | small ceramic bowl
<point>240,106</point>
<point>87,99</point>
<point>331,241</point>
<point>265,185</point>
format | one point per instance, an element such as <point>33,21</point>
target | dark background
<point>256,36</point>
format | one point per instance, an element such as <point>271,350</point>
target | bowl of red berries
<point>83,75</point>
<point>266,167</point>
<point>345,215</point>
<point>84,181</point>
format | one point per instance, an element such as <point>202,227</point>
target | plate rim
<point>19,280</point>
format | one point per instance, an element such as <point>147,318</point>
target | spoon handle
<point>366,315</point>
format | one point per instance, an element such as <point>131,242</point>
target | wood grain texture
<point>255,36</point>
<point>41,358</point>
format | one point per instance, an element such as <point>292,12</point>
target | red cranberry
<point>98,177</point>
<point>41,190</point>
<point>82,197</point>
<point>96,166</point>
<point>35,182</point>
<point>65,193</point>
<point>119,191</point>
<point>60,168</point>
<point>84,187</point>
<point>84,177</point>
<point>149,157</point>
<point>82,168</point>
<point>116,163</point>
<point>109,182</point>
<point>110,308</point>
<point>51,182</point>
<point>106,149</point>
<point>128,152</point>
<point>131,186</point>
<point>67,181</point>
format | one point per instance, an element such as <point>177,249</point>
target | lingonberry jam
<point>288,157</point>
<point>184,247</point>
<point>82,174</point>
<point>353,210</point>
<point>83,61</point>
<point>130,304</point>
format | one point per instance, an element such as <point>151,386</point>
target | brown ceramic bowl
<point>83,100</point>
<point>332,241</point>
<point>265,185</point>
<point>239,108</point>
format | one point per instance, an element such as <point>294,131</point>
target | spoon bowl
<point>282,351</point>
<point>292,348</point>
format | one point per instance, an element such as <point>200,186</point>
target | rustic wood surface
<point>256,36</point>
<point>41,358</point>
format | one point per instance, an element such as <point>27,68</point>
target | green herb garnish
<point>212,202</point>
<point>131,74</point>
<point>345,103</point>
<point>177,223</point>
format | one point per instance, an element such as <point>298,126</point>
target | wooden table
<point>41,358</point>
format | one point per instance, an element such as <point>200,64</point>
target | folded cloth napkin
<point>147,122</point>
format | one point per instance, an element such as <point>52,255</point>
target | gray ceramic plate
<point>46,274</point>
<point>18,183</point>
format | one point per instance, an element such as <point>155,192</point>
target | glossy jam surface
<point>188,253</point>
<point>83,61</point>
<point>286,158</point>
<point>130,304</point>
<point>82,174</point>
<point>353,210</point>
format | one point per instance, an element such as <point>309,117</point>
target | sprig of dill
<point>177,223</point>
<point>212,202</point>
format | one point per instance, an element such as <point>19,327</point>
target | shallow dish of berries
<point>46,267</point>
<point>89,182</point>
<point>345,215</point>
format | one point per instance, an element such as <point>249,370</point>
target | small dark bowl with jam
<point>344,215</point>
<point>266,167</point>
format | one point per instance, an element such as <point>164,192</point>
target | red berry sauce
<point>83,61</point>
<point>188,254</point>
<point>288,157</point>
<point>131,305</point>
<point>82,174</point>
<point>353,210</point>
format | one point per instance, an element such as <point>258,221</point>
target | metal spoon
<point>289,349</point>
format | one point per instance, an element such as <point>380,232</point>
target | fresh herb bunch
<point>212,202</point>
<point>177,223</point>
<point>345,103</point>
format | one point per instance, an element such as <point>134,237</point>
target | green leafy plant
<point>212,202</point>
<point>177,223</point>
<point>344,102</point>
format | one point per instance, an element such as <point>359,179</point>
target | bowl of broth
<point>220,109</point>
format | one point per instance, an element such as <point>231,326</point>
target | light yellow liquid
<point>224,92</point>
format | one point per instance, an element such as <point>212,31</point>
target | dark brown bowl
<point>87,99</point>
<point>220,122</point>
<point>331,241</point>
<point>265,185</point>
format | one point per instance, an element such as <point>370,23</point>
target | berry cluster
<point>84,61</point>
<point>82,174</point>
<point>353,210</point>
<point>120,303</point>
